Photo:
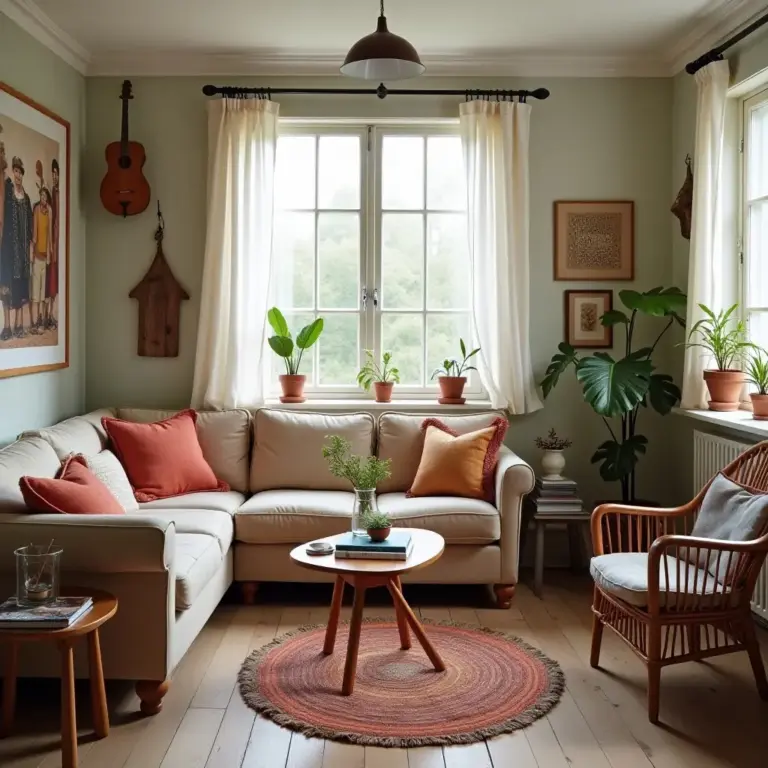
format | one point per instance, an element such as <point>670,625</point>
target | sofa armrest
<point>95,543</point>
<point>514,479</point>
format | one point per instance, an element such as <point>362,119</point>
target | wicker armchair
<point>688,614</point>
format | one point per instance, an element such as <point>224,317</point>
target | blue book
<point>398,542</point>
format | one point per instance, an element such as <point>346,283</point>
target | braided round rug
<point>494,683</point>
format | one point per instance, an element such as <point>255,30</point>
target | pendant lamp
<point>382,56</point>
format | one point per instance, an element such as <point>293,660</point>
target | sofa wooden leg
<point>151,693</point>
<point>248,591</point>
<point>504,594</point>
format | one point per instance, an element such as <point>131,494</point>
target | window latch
<point>375,297</point>
<point>364,298</point>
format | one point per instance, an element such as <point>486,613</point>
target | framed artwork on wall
<point>34,236</point>
<point>582,319</point>
<point>594,240</point>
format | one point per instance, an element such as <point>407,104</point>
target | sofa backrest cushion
<point>80,434</point>
<point>287,448</point>
<point>225,437</point>
<point>401,439</point>
<point>27,456</point>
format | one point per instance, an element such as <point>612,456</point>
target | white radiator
<point>710,455</point>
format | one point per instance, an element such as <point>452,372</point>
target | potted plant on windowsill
<point>727,342</point>
<point>451,377</point>
<point>553,461</point>
<point>383,377</point>
<point>757,374</point>
<point>283,345</point>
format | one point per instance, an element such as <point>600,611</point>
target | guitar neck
<point>124,130</point>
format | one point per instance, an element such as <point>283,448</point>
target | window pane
<point>403,336</point>
<point>757,255</point>
<point>296,321</point>
<point>294,262</point>
<point>295,172</point>
<point>402,169</point>
<point>448,280</point>
<point>338,254</point>
<point>443,334</point>
<point>758,328</point>
<point>402,260</point>
<point>339,172</point>
<point>338,349</point>
<point>757,161</point>
<point>446,188</point>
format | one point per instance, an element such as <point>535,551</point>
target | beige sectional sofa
<point>171,563</point>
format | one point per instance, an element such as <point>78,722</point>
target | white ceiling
<point>505,36</point>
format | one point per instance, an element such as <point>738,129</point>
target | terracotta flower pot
<point>379,534</point>
<point>383,391</point>
<point>451,390</point>
<point>759,407</point>
<point>724,389</point>
<point>293,388</point>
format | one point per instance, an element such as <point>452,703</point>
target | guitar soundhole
<point>124,162</point>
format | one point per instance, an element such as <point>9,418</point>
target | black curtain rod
<point>382,92</point>
<point>716,54</point>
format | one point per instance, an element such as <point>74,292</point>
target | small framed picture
<point>594,240</point>
<point>583,310</point>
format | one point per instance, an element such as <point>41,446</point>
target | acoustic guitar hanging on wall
<point>124,190</point>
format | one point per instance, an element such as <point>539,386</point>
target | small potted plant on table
<point>378,525</point>
<point>283,345</point>
<point>451,377</point>
<point>553,461</point>
<point>757,374</point>
<point>383,377</point>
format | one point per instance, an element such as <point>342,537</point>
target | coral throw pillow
<point>458,465</point>
<point>162,459</point>
<point>76,491</point>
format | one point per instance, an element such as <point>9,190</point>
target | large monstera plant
<point>619,389</point>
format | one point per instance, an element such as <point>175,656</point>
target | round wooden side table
<point>104,608</point>
<point>362,574</point>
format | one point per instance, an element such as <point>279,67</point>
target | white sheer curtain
<point>706,267</point>
<point>495,144</point>
<point>242,143</point>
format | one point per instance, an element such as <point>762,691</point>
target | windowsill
<point>365,404</point>
<point>735,421</point>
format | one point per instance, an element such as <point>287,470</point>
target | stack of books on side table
<point>556,497</point>
<point>62,613</point>
<point>398,546</point>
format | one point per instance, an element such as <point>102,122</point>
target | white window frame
<point>370,276</point>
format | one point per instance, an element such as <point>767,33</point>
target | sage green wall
<point>41,399</point>
<point>593,139</point>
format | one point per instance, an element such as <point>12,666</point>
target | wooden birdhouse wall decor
<point>159,295</point>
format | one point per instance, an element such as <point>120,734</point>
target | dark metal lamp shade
<point>382,56</point>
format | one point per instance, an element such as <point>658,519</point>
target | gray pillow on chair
<point>729,512</point>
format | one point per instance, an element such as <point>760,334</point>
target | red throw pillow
<point>76,491</point>
<point>162,459</point>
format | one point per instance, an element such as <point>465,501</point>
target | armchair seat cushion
<point>210,522</point>
<point>198,557</point>
<point>458,520</point>
<point>221,501</point>
<point>625,575</point>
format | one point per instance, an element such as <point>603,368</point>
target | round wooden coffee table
<point>104,608</point>
<point>362,574</point>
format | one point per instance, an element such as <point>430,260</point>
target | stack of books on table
<point>58,615</point>
<point>556,497</point>
<point>398,546</point>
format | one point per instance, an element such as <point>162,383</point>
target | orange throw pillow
<point>76,491</point>
<point>162,459</point>
<point>458,465</point>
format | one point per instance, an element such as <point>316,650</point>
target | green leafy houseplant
<point>283,345</point>
<point>383,377</point>
<point>619,389</point>
<point>451,376</point>
<point>553,442</point>
<point>757,375</point>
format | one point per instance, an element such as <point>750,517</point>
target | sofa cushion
<point>287,449</point>
<point>27,456</point>
<point>402,440</point>
<point>81,434</point>
<point>225,437</point>
<point>293,516</point>
<point>107,467</point>
<point>625,575</point>
<point>211,522</point>
<point>198,557</point>
<point>223,501</point>
<point>457,520</point>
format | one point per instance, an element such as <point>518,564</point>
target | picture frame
<point>583,309</point>
<point>594,240</point>
<point>34,236</point>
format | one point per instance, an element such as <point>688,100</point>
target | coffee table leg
<point>402,620</point>
<point>333,618</point>
<point>68,721</point>
<point>98,694</point>
<point>9,688</point>
<point>418,630</point>
<point>350,667</point>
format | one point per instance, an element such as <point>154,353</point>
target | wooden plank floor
<point>711,713</point>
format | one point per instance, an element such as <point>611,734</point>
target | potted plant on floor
<point>757,374</point>
<point>363,472</point>
<point>383,377</point>
<point>283,345</point>
<point>553,461</point>
<point>451,377</point>
<point>726,341</point>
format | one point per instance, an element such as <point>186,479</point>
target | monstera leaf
<point>613,317</point>
<point>614,387</point>
<point>659,302</point>
<point>558,366</point>
<point>663,393</point>
<point>619,459</point>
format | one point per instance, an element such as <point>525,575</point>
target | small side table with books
<point>556,501</point>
